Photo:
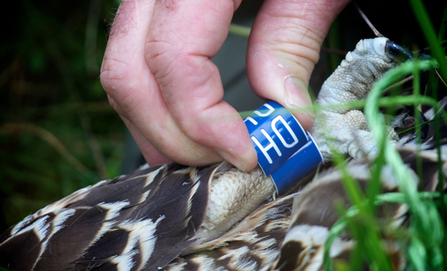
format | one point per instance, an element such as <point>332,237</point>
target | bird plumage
<point>290,233</point>
<point>124,221</point>
<point>87,231</point>
<point>174,217</point>
<point>141,220</point>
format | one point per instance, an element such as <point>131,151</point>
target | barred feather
<point>174,217</point>
<point>290,233</point>
<point>140,220</point>
<point>253,244</point>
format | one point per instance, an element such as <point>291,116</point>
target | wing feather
<point>142,220</point>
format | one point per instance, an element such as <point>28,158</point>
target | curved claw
<point>396,51</point>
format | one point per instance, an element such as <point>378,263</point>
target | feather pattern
<point>174,217</point>
<point>252,244</point>
<point>141,220</point>
<point>290,233</point>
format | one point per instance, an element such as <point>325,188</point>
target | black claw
<point>396,51</point>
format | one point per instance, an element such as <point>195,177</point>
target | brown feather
<point>152,213</point>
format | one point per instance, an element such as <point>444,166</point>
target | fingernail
<point>297,96</point>
<point>296,91</point>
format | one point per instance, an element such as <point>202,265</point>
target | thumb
<point>284,47</point>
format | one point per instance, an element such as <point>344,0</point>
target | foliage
<point>424,242</point>
<point>57,131</point>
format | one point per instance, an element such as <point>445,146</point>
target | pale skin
<point>159,77</point>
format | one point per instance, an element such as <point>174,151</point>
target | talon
<point>396,51</point>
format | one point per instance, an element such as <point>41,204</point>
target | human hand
<point>159,77</point>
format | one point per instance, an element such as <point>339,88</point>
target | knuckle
<point>171,63</point>
<point>118,83</point>
<point>196,130</point>
<point>114,74</point>
<point>161,58</point>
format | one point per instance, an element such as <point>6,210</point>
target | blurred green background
<point>58,132</point>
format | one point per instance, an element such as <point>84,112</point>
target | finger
<point>284,47</point>
<point>117,107</point>
<point>190,83</point>
<point>123,59</point>
<point>151,155</point>
<point>130,83</point>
